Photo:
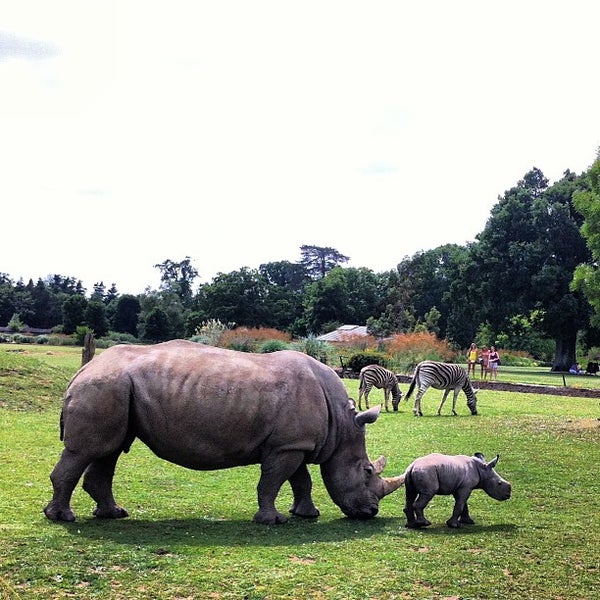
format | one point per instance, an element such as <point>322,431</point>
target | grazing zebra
<point>442,376</point>
<point>378,376</point>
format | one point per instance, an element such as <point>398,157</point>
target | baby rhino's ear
<point>493,463</point>
<point>479,456</point>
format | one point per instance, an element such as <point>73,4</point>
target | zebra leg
<point>439,412</point>
<point>417,407</point>
<point>456,391</point>
<point>367,391</point>
<point>386,395</point>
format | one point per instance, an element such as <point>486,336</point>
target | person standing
<point>472,356</point>
<point>484,361</point>
<point>493,362</point>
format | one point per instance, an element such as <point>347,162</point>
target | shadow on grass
<point>239,533</point>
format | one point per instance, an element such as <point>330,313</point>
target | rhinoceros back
<point>203,407</point>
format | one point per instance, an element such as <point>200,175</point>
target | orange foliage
<point>422,343</point>
<point>251,336</point>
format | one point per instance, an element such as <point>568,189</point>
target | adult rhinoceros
<point>208,408</point>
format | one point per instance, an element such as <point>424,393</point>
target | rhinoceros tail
<point>62,426</point>
<point>131,426</point>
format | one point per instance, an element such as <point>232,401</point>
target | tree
<point>126,314</point>
<point>238,297</point>
<point>95,317</point>
<point>344,295</point>
<point>73,309</point>
<point>586,278</point>
<point>524,261</point>
<point>318,260</point>
<point>426,278</point>
<point>178,278</point>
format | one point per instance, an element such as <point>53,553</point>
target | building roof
<point>344,332</point>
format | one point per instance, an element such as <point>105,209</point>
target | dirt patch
<point>526,388</point>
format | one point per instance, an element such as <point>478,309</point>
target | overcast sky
<point>234,132</point>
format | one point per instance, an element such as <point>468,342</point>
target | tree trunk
<point>565,352</point>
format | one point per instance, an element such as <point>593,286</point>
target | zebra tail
<point>411,388</point>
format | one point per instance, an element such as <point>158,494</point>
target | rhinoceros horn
<point>391,484</point>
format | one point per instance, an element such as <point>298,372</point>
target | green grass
<point>190,534</point>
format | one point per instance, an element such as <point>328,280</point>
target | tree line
<point>528,282</point>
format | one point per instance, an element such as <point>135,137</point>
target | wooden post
<point>89,348</point>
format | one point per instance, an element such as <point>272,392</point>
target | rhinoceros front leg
<point>460,505</point>
<point>276,468</point>
<point>64,477</point>
<point>97,482</point>
<point>303,505</point>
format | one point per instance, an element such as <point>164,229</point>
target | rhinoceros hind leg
<point>303,505</point>
<point>97,482</point>
<point>64,477</point>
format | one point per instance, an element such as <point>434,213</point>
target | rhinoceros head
<point>352,480</point>
<point>490,482</point>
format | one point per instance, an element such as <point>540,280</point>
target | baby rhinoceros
<point>440,474</point>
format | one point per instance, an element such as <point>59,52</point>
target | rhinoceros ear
<point>379,464</point>
<point>479,456</point>
<point>492,463</point>
<point>367,416</point>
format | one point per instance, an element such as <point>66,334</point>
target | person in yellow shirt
<point>472,356</point>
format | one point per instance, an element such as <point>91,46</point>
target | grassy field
<point>190,534</point>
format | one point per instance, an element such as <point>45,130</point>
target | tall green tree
<point>237,297</point>
<point>586,278</point>
<point>524,261</point>
<point>178,278</point>
<point>95,317</point>
<point>344,295</point>
<point>425,279</point>
<point>126,314</point>
<point>318,260</point>
<point>73,309</point>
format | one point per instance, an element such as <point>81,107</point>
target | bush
<point>315,348</point>
<point>409,349</point>
<point>370,357</point>
<point>247,339</point>
<point>120,337</point>
<point>19,338</point>
<point>272,346</point>
<point>42,339</point>
<point>61,340</point>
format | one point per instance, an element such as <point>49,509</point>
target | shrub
<point>272,346</point>
<point>371,357</point>
<point>210,332</point>
<point>316,348</point>
<point>120,337</point>
<point>247,339</point>
<point>42,339</point>
<point>61,340</point>
<point>409,349</point>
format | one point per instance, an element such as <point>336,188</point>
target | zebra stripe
<point>442,376</point>
<point>379,377</point>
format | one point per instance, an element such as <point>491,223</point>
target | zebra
<point>442,376</point>
<point>380,377</point>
